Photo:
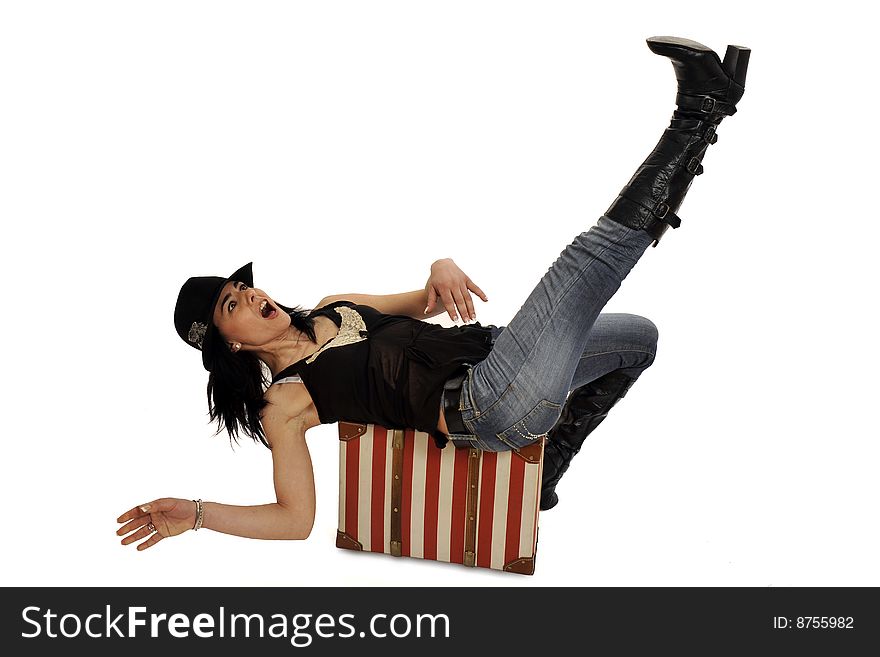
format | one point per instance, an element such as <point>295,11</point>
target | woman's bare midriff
<point>441,425</point>
<point>323,336</point>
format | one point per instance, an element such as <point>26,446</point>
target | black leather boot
<point>583,411</point>
<point>708,90</point>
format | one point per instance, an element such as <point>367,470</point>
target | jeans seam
<point>480,444</point>
<point>470,397</point>
<point>511,445</point>
<point>616,351</point>
<point>470,426</point>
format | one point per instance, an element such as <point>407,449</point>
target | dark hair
<point>238,381</point>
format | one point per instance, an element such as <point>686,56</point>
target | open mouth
<point>267,310</point>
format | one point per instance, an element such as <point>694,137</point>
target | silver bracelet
<point>199,515</point>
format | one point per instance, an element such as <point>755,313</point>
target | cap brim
<point>244,274</point>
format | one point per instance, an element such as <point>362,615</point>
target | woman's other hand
<point>169,516</point>
<point>453,287</point>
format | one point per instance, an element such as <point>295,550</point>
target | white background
<point>345,146</point>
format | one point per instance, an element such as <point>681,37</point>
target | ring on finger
<point>151,527</point>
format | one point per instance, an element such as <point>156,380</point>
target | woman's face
<point>247,315</point>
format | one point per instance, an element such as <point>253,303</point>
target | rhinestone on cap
<point>196,333</point>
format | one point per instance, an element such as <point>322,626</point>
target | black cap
<point>194,313</point>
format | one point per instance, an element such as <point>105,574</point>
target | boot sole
<point>677,41</point>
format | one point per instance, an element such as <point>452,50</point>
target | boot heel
<point>736,63</point>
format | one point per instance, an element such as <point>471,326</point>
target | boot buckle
<point>694,167</point>
<point>708,104</point>
<point>710,137</point>
<point>661,212</point>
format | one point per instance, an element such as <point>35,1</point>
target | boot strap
<point>662,212</point>
<point>703,104</point>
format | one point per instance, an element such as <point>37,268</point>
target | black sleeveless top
<point>386,369</point>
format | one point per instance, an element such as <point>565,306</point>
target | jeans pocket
<point>533,426</point>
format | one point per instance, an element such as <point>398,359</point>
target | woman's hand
<point>169,516</point>
<point>450,284</point>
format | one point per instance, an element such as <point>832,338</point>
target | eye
<point>241,287</point>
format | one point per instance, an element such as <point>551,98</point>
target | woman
<point>372,359</point>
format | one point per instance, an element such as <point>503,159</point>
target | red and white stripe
<point>434,499</point>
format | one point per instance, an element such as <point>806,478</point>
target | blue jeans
<point>558,341</point>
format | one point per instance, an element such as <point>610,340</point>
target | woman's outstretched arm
<point>291,517</point>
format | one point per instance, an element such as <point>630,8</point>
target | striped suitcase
<point>402,495</point>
